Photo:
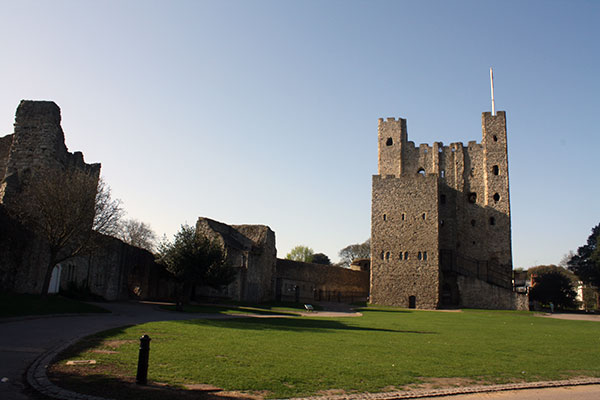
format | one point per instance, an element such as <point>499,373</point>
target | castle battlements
<point>434,207</point>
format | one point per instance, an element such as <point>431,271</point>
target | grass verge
<point>386,349</point>
<point>17,305</point>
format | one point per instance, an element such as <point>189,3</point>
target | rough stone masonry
<point>440,221</point>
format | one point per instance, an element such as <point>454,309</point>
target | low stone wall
<point>23,257</point>
<point>475,293</point>
<point>114,271</point>
<point>299,281</point>
<point>117,271</point>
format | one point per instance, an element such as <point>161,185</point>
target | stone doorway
<point>412,302</point>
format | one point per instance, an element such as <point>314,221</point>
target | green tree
<point>300,253</point>
<point>193,259</point>
<point>355,251</point>
<point>320,258</point>
<point>544,269</point>
<point>553,287</point>
<point>586,263</point>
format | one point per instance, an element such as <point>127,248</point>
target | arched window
<point>421,171</point>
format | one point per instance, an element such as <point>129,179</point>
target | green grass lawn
<point>385,349</point>
<point>17,304</point>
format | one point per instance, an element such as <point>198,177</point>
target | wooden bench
<point>309,307</point>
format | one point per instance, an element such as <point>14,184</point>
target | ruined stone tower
<point>440,220</point>
<point>37,144</point>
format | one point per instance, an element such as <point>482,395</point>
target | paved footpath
<point>25,340</point>
<point>27,345</point>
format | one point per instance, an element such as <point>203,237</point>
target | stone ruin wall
<point>475,227</point>
<point>38,143</point>
<point>261,263</point>
<point>116,270</point>
<point>5,145</point>
<point>317,282</point>
<point>251,250</point>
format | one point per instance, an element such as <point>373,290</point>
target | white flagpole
<point>492,83</point>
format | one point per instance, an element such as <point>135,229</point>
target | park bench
<point>309,307</point>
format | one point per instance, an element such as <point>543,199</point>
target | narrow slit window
<point>424,256</point>
<point>492,221</point>
<point>419,256</point>
<point>403,216</point>
<point>387,255</point>
<point>384,217</point>
<point>495,170</point>
<point>389,141</point>
<point>382,255</point>
<point>424,216</point>
<point>495,138</point>
<point>406,255</point>
<point>443,173</point>
<point>496,197</point>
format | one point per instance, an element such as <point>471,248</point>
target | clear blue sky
<point>265,112</point>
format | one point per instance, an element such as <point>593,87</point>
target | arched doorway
<point>54,286</point>
<point>412,302</point>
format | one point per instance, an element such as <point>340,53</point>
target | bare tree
<point>355,251</point>
<point>137,234</point>
<point>64,208</point>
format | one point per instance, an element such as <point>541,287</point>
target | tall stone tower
<point>440,220</point>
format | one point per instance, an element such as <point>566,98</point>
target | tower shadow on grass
<point>292,324</point>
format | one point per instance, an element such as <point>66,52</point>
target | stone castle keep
<point>440,221</point>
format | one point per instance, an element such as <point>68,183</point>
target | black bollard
<point>142,369</point>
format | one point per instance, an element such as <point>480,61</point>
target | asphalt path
<point>23,340</point>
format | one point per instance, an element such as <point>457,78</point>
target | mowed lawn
<point>382,350</point>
